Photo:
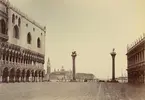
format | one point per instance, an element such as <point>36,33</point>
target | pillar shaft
<point>74,78</point>
<point>113,68</point>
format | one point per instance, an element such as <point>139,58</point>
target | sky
<point>90,27</point>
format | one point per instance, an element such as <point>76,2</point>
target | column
<point>144,76</point>
<point>37,77</point>
<point>8,78</point>
<point>0,76</point>
<point>73,59</point>
<point>25,77</point>
<point>19,80</point>
<point>30,78</point>
<point>113,54</point>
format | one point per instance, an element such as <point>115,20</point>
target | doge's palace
<point>22,46</point>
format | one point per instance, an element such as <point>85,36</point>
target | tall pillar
<point>74,69</point>
<point>113,54</point>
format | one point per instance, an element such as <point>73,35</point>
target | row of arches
<point>17,54</point>
<point>18,75</point>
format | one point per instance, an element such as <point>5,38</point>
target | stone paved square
<point>71,91</point>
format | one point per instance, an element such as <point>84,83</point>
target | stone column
<point>0,75</point>
<point>8,78</point>
<point>19,78</point>
<point>25,77</point>
<point>113,54</point>
<point>144,76</point>
<point>74,69</point>
<point>37,77</point>
<point>30,78</point>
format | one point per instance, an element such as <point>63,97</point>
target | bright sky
<point>91,27</point>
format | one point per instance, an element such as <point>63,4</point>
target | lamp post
<point>113,54</point>
<point>74,69</point>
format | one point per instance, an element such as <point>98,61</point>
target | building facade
<point>61,75</point>
<point>84,76</point>
<point>136,61</point>
<point>22,46</point>
<point>122,79</point>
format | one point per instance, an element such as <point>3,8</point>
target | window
<point>16,32</point>
<point>19,22</point>
<point>33,29</point>
<point>2,26</point>
<point>13,19</point>
<point>27,25</point>
<point>38,43</point>
<point>29,38</point>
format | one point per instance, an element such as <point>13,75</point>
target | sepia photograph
<point>72,50</point>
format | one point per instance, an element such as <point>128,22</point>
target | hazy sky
<point>91,27</point>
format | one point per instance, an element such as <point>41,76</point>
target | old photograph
<point>72,50</point>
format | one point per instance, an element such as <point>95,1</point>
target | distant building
<point>61,75</point>
<point>136,61</point>
<point>122,79</point>
<point>83,76</point>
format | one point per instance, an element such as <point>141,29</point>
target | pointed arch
<point>29,38</point>
<point>2,26</point>
<point>18,74</point>
<point>19,22</point>
<point>13,19</point>
<point>27,75</point>
<point>12,75</point>
<point>16,32</point>
<point>5,74</point>
<point>38,42</point>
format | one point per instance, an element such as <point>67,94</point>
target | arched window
<point>2,26</point>
<point>19,22</point>
<point>38,43</point>
<point>13,19</point>
<point>16,32</point>
<point>29,38</point>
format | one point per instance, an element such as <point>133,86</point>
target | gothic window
<point>2,26</point>
<point>29,38</point>
<point>38,43</point>
<point>13,19</point>
<point>16,32</point>
<point>33,29</point>
<point>19,22</point>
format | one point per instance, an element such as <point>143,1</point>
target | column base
<point>114,81</point>
<point>73,81</point>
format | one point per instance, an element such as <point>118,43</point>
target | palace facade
<point>136,61</point>
<point>22,46</point>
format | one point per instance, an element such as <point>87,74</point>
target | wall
<point>23,31</point>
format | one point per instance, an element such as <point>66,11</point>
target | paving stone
<point>71,91</point>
